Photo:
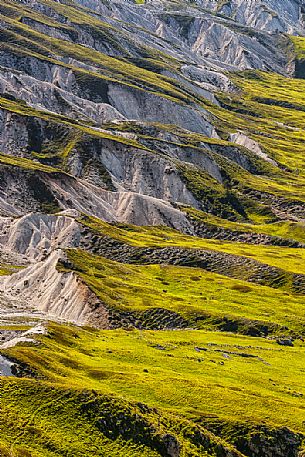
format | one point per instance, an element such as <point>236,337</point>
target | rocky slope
<point>152,177</point>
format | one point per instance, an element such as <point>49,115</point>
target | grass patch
<point>27,164</point>
<point>289,259</point>
<point>202,298</point>
<point>261,380</point>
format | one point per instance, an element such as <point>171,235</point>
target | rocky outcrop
<point>139,106</point>
<point>244,140</point>
<point>34,236</point>
<point>42,287</point>
<point>269,15</point>
<point>22,191</point>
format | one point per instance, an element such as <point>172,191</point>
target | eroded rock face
<point>156,67</point>
<point>56,294</point>
<point>5,367</point>
<point>244,140</point>
<point>180,55</point>
<point>36,235</point>
<point>136,105</point>
<point>269,15</point>
<point>22,192</point>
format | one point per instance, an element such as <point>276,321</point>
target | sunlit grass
<point>202,298</point>
<point>263,380</point>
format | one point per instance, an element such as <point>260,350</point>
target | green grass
<point>270,110</point>
<point>203,299</point>
<point>7,269</point>
<point>72,408</point>
<point>4,271</point>
<point>42,420</point>
<point>28,164</point>
<point>287,230</point>
<point>299,46</point>
<point>289,259</point>
<point>258,379</point>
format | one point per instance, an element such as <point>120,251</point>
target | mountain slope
<point>152,213</point>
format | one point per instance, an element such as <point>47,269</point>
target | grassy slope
<point>289,259</point>
<point>27,164</point>
<point>288,230</point>
<point>75,366</point>
<point>41,420</point>
<point>299,46</point>
<point>278,125</point>
<point>191,292</point>
<point>7,269</point>
<point>261,381</point>
<point>270,111</point>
